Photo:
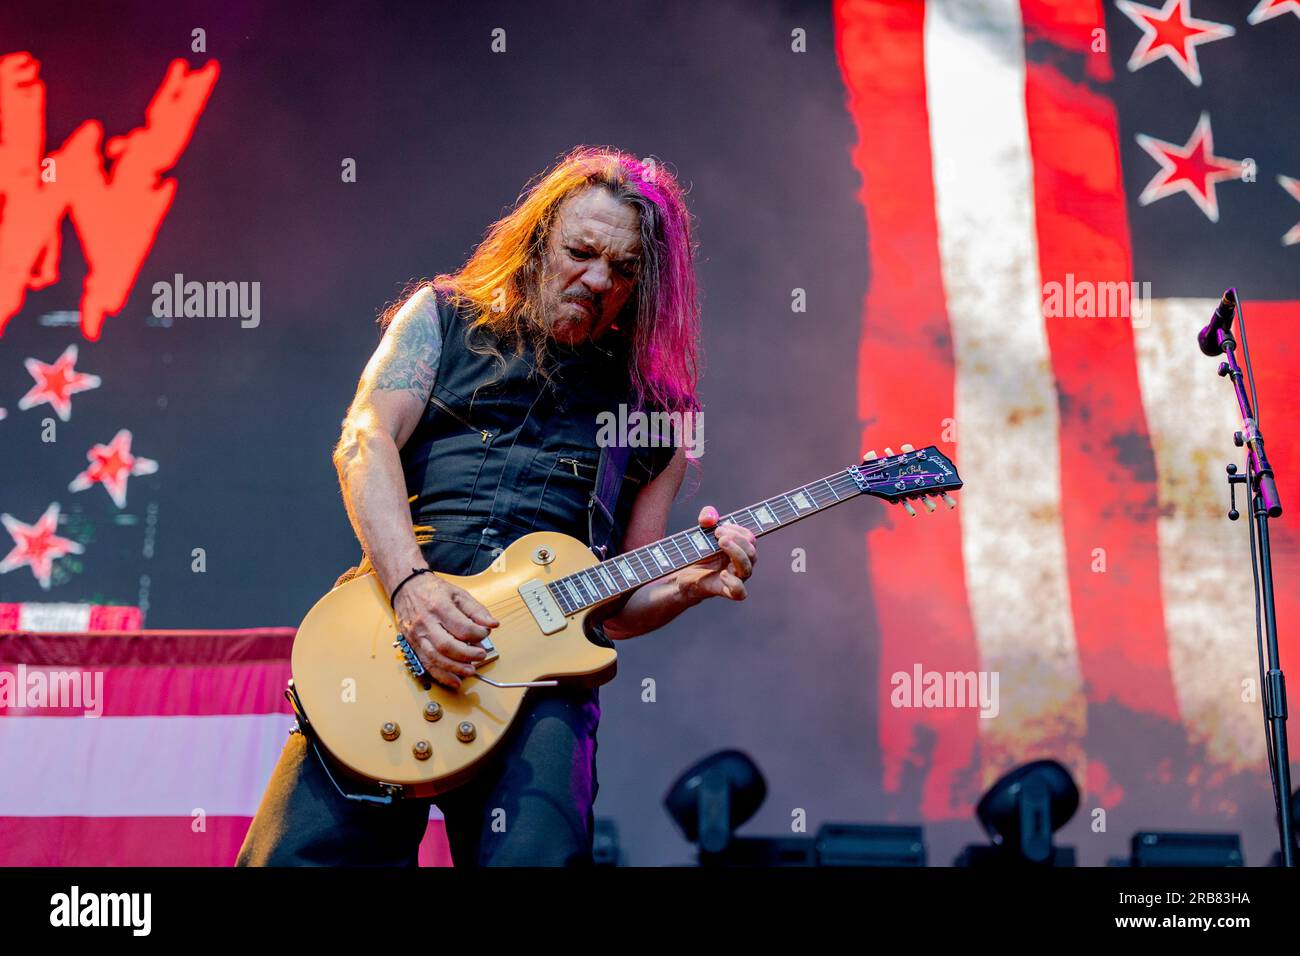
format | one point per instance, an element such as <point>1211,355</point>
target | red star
<point>37,546</point>
<point>1268,9</point>
<point>1171,32</point>
<point>1293,187</point>
<point>1192,168</point>
<point>57,383</point>
<point>111,465</point>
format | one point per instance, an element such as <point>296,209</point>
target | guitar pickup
<point>542,605</point>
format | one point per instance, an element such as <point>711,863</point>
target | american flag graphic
<point>1005,145</point>
<point>164,765</point>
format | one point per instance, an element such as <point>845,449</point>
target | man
<point>475,423</point>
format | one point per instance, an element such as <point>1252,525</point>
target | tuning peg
<point>905,448</point>
<point>870,456</point>
<point>888,452</point>
<point>907,506</point>
<point>929,505</point>
<point>948,500</point>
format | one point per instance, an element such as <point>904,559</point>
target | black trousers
<point>531,805</point>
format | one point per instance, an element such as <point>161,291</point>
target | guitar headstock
<point>913,473</point>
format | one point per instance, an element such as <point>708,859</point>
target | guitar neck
<point>628,571</point>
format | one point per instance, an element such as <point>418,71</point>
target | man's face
<point>591,265</point>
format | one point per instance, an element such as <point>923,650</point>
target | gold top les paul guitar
<point>361,693</point>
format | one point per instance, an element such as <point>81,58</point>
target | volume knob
<point>390,731</point>
<point>465,732</point>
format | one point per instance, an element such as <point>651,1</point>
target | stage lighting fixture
<point>1020,813</point>
<point>1186,849</point>
<point>711,800</point>
<point>856,844</point>
<point>714,797</point>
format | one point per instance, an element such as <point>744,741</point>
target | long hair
<point>500,285</point>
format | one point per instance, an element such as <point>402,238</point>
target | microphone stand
<point>1264,504</point>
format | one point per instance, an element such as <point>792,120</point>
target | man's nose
<point>597,277</point>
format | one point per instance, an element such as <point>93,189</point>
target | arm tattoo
<point>412,363</point>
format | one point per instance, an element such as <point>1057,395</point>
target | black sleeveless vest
<point>499,452</point>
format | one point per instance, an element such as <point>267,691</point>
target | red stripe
<point>914,565</point>
<point>186,691</point>
<point>1108,476</point>
<point>147,841</point>
<point>113,618</point>
<point>106,648</point>
<point>1073,25</point>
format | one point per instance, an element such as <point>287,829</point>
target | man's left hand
<point>724,574</point>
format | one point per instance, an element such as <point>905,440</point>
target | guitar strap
<point>601,526</point>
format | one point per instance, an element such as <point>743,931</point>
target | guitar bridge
<point>408,654</point>
<point>416,668</point>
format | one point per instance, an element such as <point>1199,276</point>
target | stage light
<point>1149,848</point>
<point>1020,813</point>
<point>858,844</point>
<point>714,797</point>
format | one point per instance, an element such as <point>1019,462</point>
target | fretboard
<point>630,570</point>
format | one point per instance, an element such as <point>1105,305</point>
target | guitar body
<point>351,681</point>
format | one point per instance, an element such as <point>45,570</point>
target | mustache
<point>586,297</point>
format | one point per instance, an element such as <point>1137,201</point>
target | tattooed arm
<point>390,399</point>
<point>442,622</point>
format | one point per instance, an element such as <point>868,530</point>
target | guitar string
<point>518,607</point>
<point>845,481</point>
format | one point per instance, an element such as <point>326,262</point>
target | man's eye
<point>579,254</point>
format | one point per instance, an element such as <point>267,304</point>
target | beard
<point>572,320</point>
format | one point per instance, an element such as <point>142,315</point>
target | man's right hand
<point>444,625</point>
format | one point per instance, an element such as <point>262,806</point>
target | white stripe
<point>138,766</point>
<point>1205,579</point>
<point>70,618</point>
<point>1005,404</point>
